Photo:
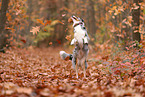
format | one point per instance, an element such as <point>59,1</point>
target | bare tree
<point>29,13</point>
<point>136,20</point>
<point>91,18</point>
<point>3,19</point>
<point>126,29</point>
<point>60,29</point>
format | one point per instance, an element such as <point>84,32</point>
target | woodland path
<point>41,72</point>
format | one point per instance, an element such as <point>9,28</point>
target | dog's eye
<point>75,18</point>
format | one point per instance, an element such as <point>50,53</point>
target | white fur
<point>79,35</point>
<point>61,53</point>
<point>81,50</point>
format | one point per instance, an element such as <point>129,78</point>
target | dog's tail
<point>65,56</point>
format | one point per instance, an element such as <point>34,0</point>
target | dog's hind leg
<point>83,65</point>
<point>74,62</point>
<point>84,68</point>
<point>75,65</point>
<point>86,64</point>
<point>76,68</point>
<point>74,57</point>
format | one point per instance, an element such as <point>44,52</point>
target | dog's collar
<point>78,24</point>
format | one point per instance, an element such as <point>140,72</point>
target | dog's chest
<point>79,30</point>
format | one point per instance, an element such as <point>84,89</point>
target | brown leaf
<point>24,90</point>
<point>45,92</point>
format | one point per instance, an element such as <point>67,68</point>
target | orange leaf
<point>40,21</point>
<point>60,22</point>
<point>8,16</point>
<point>13,30</point>
<point>24,41</point>
<point>6,35</point>
<point>50,43</point>
<point>45,30</point>
<point>68,37</point>
<point>48,22</point>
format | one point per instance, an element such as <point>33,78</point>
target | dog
<point>80,41</point>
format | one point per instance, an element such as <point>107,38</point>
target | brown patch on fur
<point>70,20</point>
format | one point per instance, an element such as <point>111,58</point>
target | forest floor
<point>37,72</point>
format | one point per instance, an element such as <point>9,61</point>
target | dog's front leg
<point>83,66</point>
<point>75,66</point>
<point>86,64</point>
<point>74,61</point>
<point>76,70</point>
<point>74,58</point>
<point>84,70</point>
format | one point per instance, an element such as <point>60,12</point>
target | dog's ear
<point>70,20</point>
<point>76,18</point>
<point>82,20</point>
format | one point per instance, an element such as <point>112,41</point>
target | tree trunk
<point>136,23</point>
<point>91,18</point>
<point>125,29</point>
<point>3,19</point>
<point>60,29</point>
<point>28,27</point>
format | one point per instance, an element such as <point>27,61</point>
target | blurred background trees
<point>3,18</point>
<point>44,22</point>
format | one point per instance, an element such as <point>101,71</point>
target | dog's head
<point>75,20</point>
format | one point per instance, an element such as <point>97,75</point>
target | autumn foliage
<point>47,21</point>
<point>32,32</point>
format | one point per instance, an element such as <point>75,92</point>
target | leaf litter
<point>41,72</point>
